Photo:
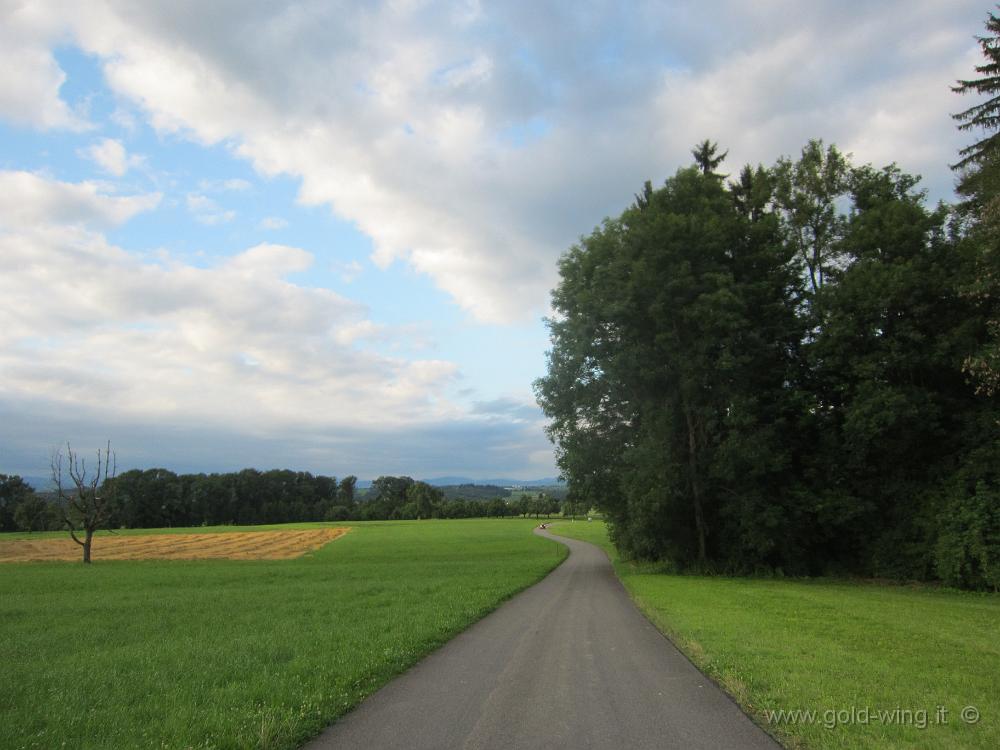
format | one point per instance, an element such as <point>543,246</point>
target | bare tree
<point>87,504</point>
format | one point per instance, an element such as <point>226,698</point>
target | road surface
<point>567,663</point>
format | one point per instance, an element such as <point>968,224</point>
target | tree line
<point>791,370</point>
<point>157,498</point>
<point>392,497</point>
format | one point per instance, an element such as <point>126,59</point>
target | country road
<point>567,663</point>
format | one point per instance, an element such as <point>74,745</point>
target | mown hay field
<point>239,545</point>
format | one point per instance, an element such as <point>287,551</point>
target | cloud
<point>400,117</point>
<point>125,119</point>
<point>465,448</point>
<point>234,346</point>
<point>271,223</point>
<point>473,144</point>
<point>28,199</point>
<point>234,184</point>
<point>207,211</point>
<point>348,271</point>
<point>509,409</point>
<point>110,155</point>
<point>29,87</point>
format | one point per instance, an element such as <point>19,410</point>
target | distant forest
<point>157,498</point>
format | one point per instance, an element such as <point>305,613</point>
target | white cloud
<point>272,222</point>
<point>110,155</point>
<point>234,346</point>
<point>207,211</point>
<point>474,144</point>
<point>234,184</point>
<point>399,116</point>
<point>124,119</point>
<point>348,271</point>
<point>29,86</point>
<point>28,199</point>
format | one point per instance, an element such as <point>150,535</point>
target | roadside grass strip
<point>243,653</point>
<point>833,664</point>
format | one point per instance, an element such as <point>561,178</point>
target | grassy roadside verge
<point>241,654</point>
<point>874,664</point>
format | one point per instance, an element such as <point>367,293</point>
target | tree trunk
<point>86,545</point>
<point>699,515</point>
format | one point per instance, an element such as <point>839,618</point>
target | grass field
<point>242,654</point>
<point>843,651</point>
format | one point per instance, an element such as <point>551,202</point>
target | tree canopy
<point>767,375</point>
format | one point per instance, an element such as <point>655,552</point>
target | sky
<point>322,235</point>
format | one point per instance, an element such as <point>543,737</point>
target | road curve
<point>567,663</point>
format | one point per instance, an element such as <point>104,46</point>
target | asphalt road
<point>567,663</point>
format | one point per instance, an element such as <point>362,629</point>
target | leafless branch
<point>87,505</point>
<point>72,531</point>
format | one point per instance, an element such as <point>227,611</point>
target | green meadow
<point>242,654</point>
<point>850,664</point>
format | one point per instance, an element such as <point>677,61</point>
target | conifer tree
<point>705,157</point>
<point>979,182</point>
<point>980,162</point>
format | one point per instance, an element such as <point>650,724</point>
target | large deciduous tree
<point>806,192</point>
<point>671,334</point>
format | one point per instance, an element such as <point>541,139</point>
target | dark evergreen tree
<point>705,156</point>
<point>979,180</point>
<point>979,183</point>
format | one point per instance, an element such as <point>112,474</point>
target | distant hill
<point>449,481</point>
<point>40,484</point>
<point>482,489</point>
<point>473,491</point>
<point>45,483</point>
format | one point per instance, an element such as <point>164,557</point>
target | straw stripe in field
<point>236,545</point>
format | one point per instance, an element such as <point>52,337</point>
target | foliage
<point>806,192</point>
<point>671,338</point>
<point>35,514</point>
<point>979,183</point>
<point>473,491</point>
<point>13,492</point>
<point>768,375</point>
<point>968,546</point>
<point>534,504</point>
<point>153,498</point>
<point>707,157</point>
